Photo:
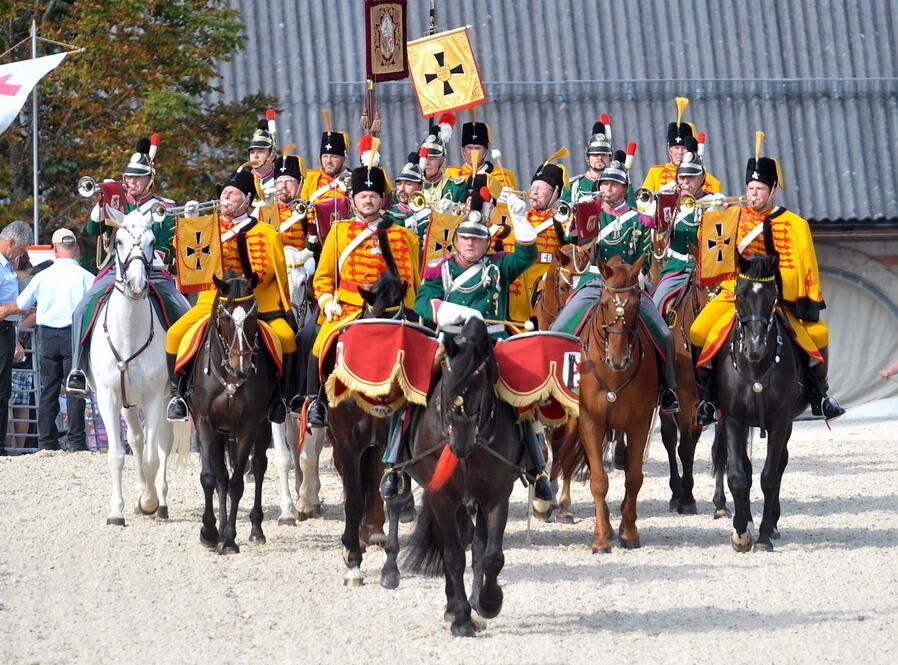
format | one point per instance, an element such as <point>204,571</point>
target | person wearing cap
<point>662,177</point>
<point>409,181</point>
<point>599,153</point>
<point>764,228</point>
<point>440,189</point>
<point>623,233</point>
<point>261,155</point>
<point>242,235</point>
<point>475,140</point>
<point>56,291</point>
<point>355,253</point>
<point>330,179</point>
<point>289,173</point>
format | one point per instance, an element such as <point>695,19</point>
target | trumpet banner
<point>197,252</point>
<point>385,38</point>
<point>717,246</point>
<point>439,237</point>
<point>444,72</point>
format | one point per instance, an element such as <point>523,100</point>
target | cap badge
<point>327,146</point>
<point>679,139</point>
<point>755,175</point>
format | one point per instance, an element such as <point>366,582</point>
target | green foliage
<point>149,66</point>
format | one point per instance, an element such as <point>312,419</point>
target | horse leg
<point>309,497</point>
<point>771,480</point>
<point>353,513</point>
<point>160,437</point>
<point>372,470</point>
<point>559,438</point>
<point>619,459</point>
<point>489,600</point>
<point>592,438</point>
<point>220,466</point>
<point>208,440</point>
<point>115,455</point>
<point>718,450</point>
<point>260,463</point>
<point>235,485</point>
<point>283,460</point>
<point>669,438</point>
<point>637,436</point>
<point>389,574</point>
<point>564,515</point>
<point>457,606</point>
<point>739,480</point>
<point>688,440</point>
<point>478,545</point>
<point>147,464</point>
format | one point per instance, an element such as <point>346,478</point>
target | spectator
<point>889,371</point>
<point>23,372</point>
<point>56,291</point>
<point>14,240</point>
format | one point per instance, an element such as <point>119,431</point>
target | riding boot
<point>669,402</point>
<point>706,413</point>
<point>822,404</point>
<point>391,483</point>
<point>317,399</point>
<point>177,407</point>
<point>290,384</point>
<point>536,465</point>
<point>76,381</point>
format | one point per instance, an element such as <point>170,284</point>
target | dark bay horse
<point>760,383</point>
<point>467,481</point>
<point>358,440</point>
<point>618,391</point>
<point>232,384</point>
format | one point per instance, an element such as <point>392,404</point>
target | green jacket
<point>683,233</point>
<point>164,232</point>
<point>631,241</point>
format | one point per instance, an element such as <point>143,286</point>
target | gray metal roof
<point>818,76</point>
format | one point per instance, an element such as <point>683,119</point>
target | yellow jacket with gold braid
<point>801,297</point>
<point>547,241</point>
<point>266,257</point>
<point>661,174</point>
<point>360,268</point>
<point>316,179</point>
<point>503,175</point>
<point>294,236</point>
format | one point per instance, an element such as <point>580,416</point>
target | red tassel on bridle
<point>444,469</point>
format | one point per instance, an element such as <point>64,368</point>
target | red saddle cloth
<point>539,373</point>
<point>381,364</point>
<point>193,340</point>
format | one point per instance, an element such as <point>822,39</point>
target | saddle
<point>166,311</point>
<point>193,340</point>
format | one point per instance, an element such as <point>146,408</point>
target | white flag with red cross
<point>16,82</point>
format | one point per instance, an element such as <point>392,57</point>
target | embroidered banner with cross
<point>198,251</point>
<point>444,72</point>
<point>717,246</point>
<point>385,40</point>
<point>438,239</point>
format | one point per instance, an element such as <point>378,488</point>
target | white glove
<point>332,310</point>
<point>449,314</point>
<point>713,202</point>
<point>158,261</point>
<point>190,209</point>
<point>516,205</point>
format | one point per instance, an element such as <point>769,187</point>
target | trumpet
<point>159,212</point>
<point>525,195</point>
<point>562,211</point>
<point>646,201</point>
<point>87,187</point>
<point>417,201</point>
<point>300,207</point>
<point>690,203</point>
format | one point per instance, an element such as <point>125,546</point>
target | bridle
<point>618,326</point>
<point>244,347</point>
<point>122,266</point>
<point>564,281</point>
<point>741,321</point>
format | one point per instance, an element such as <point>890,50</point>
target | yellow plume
<point>289,149</point>
<point>564,152</point>
<point>682,103</point>
<point>779,175</point>
<point>475,160</point>
<point>759,144</point>
<point>326,114</point>
<point>473,114</point>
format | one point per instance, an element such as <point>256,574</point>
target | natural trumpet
<point>87,187</point>
<point>562,211</point>
<point>645,200</point>
<point>689,202</point>
<point>300,207</point>
<point>417,201</point>
<point>159,212</point>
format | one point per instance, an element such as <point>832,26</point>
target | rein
<point>122,266</point>
<point>239,345</point>
<point>122,363</point>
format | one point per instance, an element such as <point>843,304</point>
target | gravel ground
<point>73,590</point>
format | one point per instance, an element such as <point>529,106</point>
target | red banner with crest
<point>385,37</point>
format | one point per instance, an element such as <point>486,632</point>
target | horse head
<point>756,295</point>
<point>134,247</point>
<point>467,394</point>
<point>236,318</point>
<point>384,299</point>
<point>618,310</point>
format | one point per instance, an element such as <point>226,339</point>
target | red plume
<point>631,150</point>
<point>700,138</point>
<point>605,119</point>
<point>422,152</point>
<point>448,118</point>
<point>486,194</point>
<point>269,114</point>
<point>154,139</point>
<point>365,143</point>
<point>444,469</point>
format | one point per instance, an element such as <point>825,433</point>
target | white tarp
<point>16,82</point>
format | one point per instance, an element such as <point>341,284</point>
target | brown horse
<point>618,390</point>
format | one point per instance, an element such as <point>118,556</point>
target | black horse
<point>233,382</point>
<point>471,476</point>
<point>760,383</point>
<point>358,440</point>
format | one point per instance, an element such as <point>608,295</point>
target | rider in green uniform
<point>409,181</point>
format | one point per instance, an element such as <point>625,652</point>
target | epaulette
<point>458,181</point>
<point>577,177</point>
<point>170,202</point>
<point>434,269</point>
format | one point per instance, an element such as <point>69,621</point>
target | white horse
<point>129,375</point>
<point>300,267</point>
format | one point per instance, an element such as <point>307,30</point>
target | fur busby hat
<point>411,171</point>
<point>243,180</point>
<point>763,169</point>
<point>369,177</point>
<point>332,143</point>
<point>619,168</point>
<point>692,163</point>
<point>290,165</point>
<point>475,133</point>
<point>600,141</point>
<point>474,223</point>
<point>678,131</point>
<point>553,174</point>
<point>141,161</point>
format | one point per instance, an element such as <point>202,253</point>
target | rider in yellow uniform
<point>475,137</point>
<point>765,228</point>
<point>247,246</point>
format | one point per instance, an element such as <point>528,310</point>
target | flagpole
<point>34,164</point>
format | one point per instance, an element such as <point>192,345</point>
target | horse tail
<point>424,552</point>
<point>719,452</point>
<point>570,457</point>
<point>368,473</point>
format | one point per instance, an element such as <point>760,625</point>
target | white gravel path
<point>73,590</point>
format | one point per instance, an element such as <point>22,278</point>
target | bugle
<point>562,211</point>
<point>87,187</point>
<point>300,207</point>
<point>646,201</point>
<point>689,202</point>
<point>417,202</point>
<point>159,212</point>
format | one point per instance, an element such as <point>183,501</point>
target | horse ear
<point>605,269</point>
<point>562,258</point>
<point>254,281</point>
<point>638,265</point>
<point>367,296</point>
<point>743,263</point>
<point>220,284</point>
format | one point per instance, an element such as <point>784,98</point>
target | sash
<point>544,225</point>
<point>455,284</point>
<point>751,235</point>
<point>350,248</point>
<point>234,230</point>
<point>290,221</point>
<point>416,219</point>
<point>336,183</point>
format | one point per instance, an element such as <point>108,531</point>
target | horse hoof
<point>286,521</point>
<point>489,607</point>
<point>140,510</point>
<point>353,578</point>
<point>720,513</point>
<point>162,513</point>
<point>630,544</point>
<point>221,548</point>
<point>564,518</point>
<point>115,521</point>
<point>687,509</point>
<point>673,504</point>
<point>478,623</point>
<point>741,543</point>
<point>601,549</point>
<point>389,580</point>
<point>257,540</point>
<point>775,535</point>
<point>762,546</point>
<point>378,539</point>
<point>463,629</point>
<point>210,540</point>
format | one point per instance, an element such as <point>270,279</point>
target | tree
<point>149,66</point>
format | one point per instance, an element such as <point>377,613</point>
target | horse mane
<point>388,291</point>
<point>467,351</point>
<point>761,266</point>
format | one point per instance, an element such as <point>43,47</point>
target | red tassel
<point>444,469</point>
<point>631,148</point>
<point>365,143</point>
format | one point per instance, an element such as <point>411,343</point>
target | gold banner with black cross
<point>198,252</point>
<point>444,72</point>
<point>717,246</point>
<point>439,237</point>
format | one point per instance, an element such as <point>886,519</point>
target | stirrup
<point>317,413</point>
<point>674,403</point>
<point>176,411</point>
<point>705,414</point>
<point>76,384</point>
<point>830,408</point>
<point>392,483</point>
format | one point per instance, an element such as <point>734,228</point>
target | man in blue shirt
<point>14,240</point>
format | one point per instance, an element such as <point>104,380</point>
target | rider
<point>409,181</point>
<point>247,246</point>
<point>599,152</point>
<point>664,176</point>
<point>137,182</point>
<point>472,283</point>
<point>289,172</point>
<point>261,155</point>
<point>330,180</point>
<point>475,137</point>
<point>440,189</point>
<point>623,233</point>
<point>765,228</point>
<point>355,253</point>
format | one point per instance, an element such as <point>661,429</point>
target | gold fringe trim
<point>396,378</point>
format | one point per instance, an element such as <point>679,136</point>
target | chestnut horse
<point>618,390</point>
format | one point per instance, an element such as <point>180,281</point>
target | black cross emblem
<point>443,72</point>
<point>199,251</point>
<point>719,243</point>
<point>444,245</point>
